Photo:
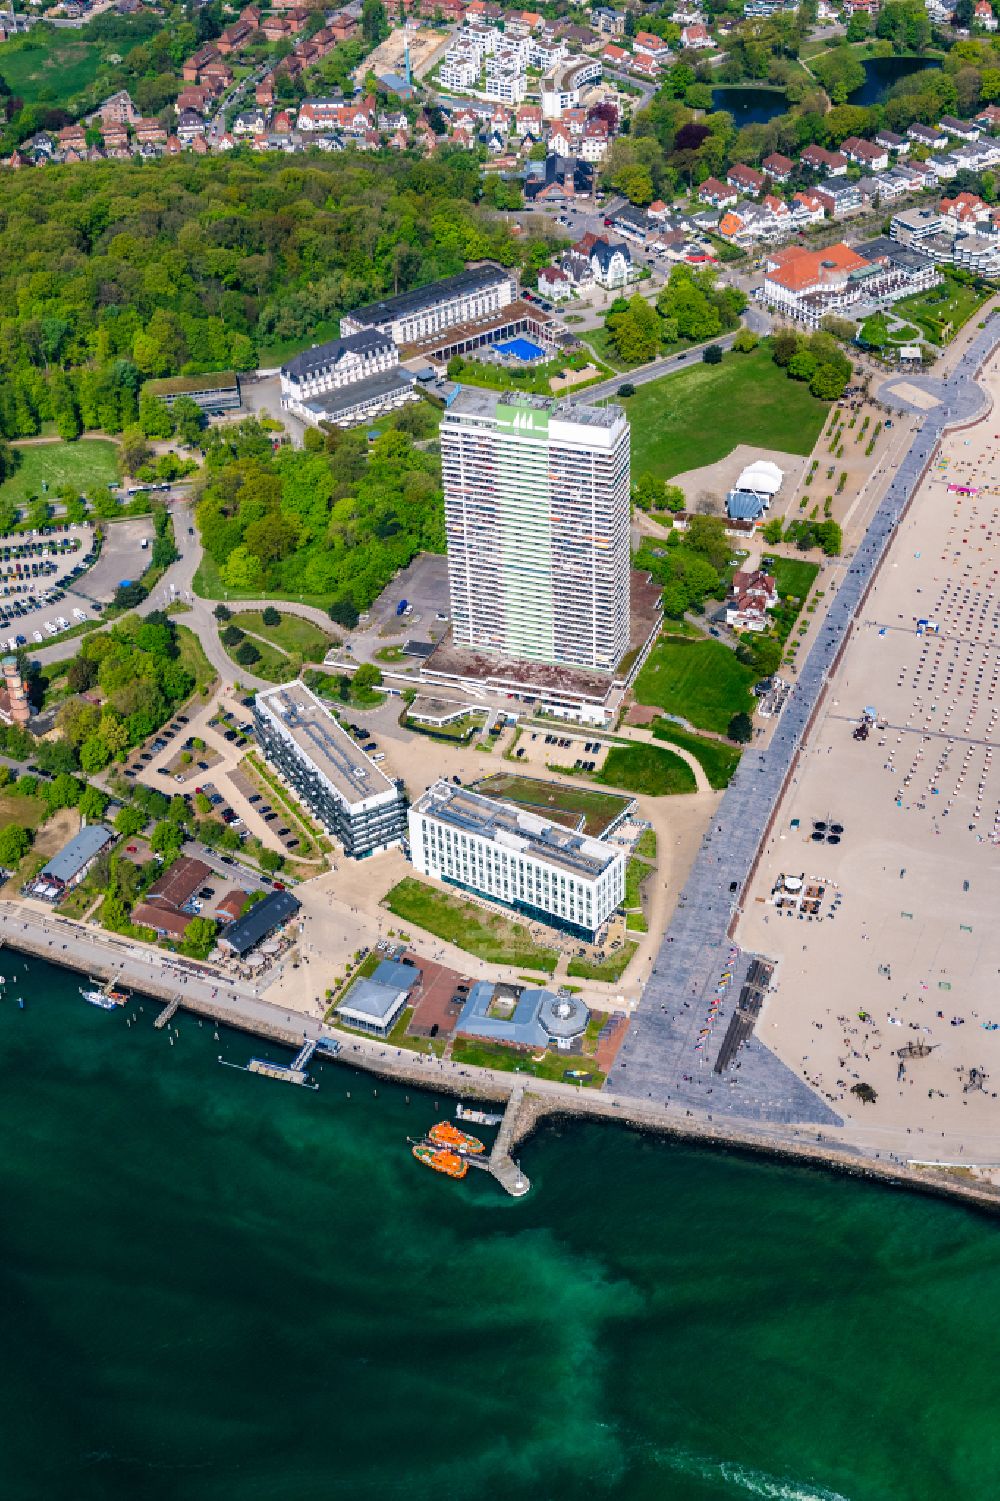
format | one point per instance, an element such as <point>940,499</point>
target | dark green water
<point>216,1286</point>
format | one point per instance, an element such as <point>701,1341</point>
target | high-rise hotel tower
<point>537,514</point>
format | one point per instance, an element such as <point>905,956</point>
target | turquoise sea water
<point>217,1286</point>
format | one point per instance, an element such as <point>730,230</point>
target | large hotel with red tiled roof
<point>808,285</point>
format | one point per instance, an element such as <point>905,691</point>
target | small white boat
<point>99,998</point>
<point>105,996</point>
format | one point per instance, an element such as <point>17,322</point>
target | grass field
<point>86,465</point>
<point>208,585</point>
<point>698,416</point>
<point>610,969</point>
<point>791,575</point>
<point>281,350</point>
<point>599,809</point>
<point>699,680</point>
<point>497,939</point>
<point>494,1055</point>
<point>950,302</point>
<point>48,63</point>
<point>294,635</point>
<point>194,659</point>
<point>636,871</point>
<point>647,769</point>
<point>718,761</point>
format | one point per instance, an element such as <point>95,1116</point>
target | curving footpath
<point>668,1055</point>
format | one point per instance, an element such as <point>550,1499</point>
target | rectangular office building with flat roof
<point>353,798</point>
<point>513,857</point>
<point>537,518</point>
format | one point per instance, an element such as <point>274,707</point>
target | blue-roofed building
<point>743,506</point>
<point>523,1016</point>
<point>68,868</point>
<point>373,1003</point>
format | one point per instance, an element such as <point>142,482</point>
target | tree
<point>784,346</point>
<point>367,677</point>
<point>222,612</point>
<point>746,341</point>
<point>343,612</point>
<point>271,860</point>
<point>865,1093</point>
<point>155,419</point>
<point>129,821</point>
<point>712,354</point>
<point>828,382</point>
<point>740,729</point>
<point>95,753</point>
<point>15,843</point>
<point>93,803</point>
<point>271,617</point>
<point>166,840</point>
<point>189,419</point>
<point>247,654</point>
<point>771,531</point>
<point>374,22</point>
<point>707,535</point>
<point>199,936</point>
<point>134,451</point>
<point>203,804</point>
<point>62,792</point>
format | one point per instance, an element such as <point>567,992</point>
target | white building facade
<point>475,293</point>
<point>524,862</point>
<point>537,518</point>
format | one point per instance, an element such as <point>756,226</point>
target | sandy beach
<point>877,890</point>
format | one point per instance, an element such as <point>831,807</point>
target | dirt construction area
<point>876,891</point>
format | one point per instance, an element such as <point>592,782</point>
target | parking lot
<point>424,587</point>
<point>543,748</point>
<point>37,571</point>
<point>124,555</point>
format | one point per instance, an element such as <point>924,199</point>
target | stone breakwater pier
<point>203,992</point>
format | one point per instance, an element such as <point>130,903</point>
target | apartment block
<point>537,518</point>
<point>351,797</point>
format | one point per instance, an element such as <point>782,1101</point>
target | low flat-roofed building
<point>373,1003</point>
<point>68,868</point>
<point>516,858</point>
<point>522,1016</point>
<point>259,923</point>
<point>351,796</point>
<point>213,393</point>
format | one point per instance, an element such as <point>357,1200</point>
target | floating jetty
<point>296,1072</point>
<point>479,1117</point>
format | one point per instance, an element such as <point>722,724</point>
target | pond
<point>882,72</point>
<point>750,106</point>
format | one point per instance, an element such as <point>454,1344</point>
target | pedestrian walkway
<point>666,1056</point>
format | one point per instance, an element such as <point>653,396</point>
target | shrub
<point>271,616</point>
<point>626,388</point>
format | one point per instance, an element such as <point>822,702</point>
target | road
<point>755,318</point>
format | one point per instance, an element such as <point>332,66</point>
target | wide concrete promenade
<point>676,1036</point>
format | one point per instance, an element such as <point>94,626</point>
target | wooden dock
<point>168,1013</point>
<point>502,1165</point>
<point>287,1074</point>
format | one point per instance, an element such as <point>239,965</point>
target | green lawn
<point>295,634</point>
<point>950,302</point>
<point>557,800</point>
<point>457,730</point>
<point>646,844</point>
<point>478,1054</point>
<point>209,585</point>
<point>718,760</point>
<point>699,415</point>
<point>281,350</point>
<point>701,681</point>
<point>636,872</point>
<point>194,659</point>
<point>271,665</point>
<point>328,686</point>
<point>646,769</point>
<point>791,575</point>
<point>610,969</point>
<point>86,465</point>
<point>495,938</point>
<point>60,62</point>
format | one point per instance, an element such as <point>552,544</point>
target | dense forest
<point>334,520</point>
<point>112,272</point>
